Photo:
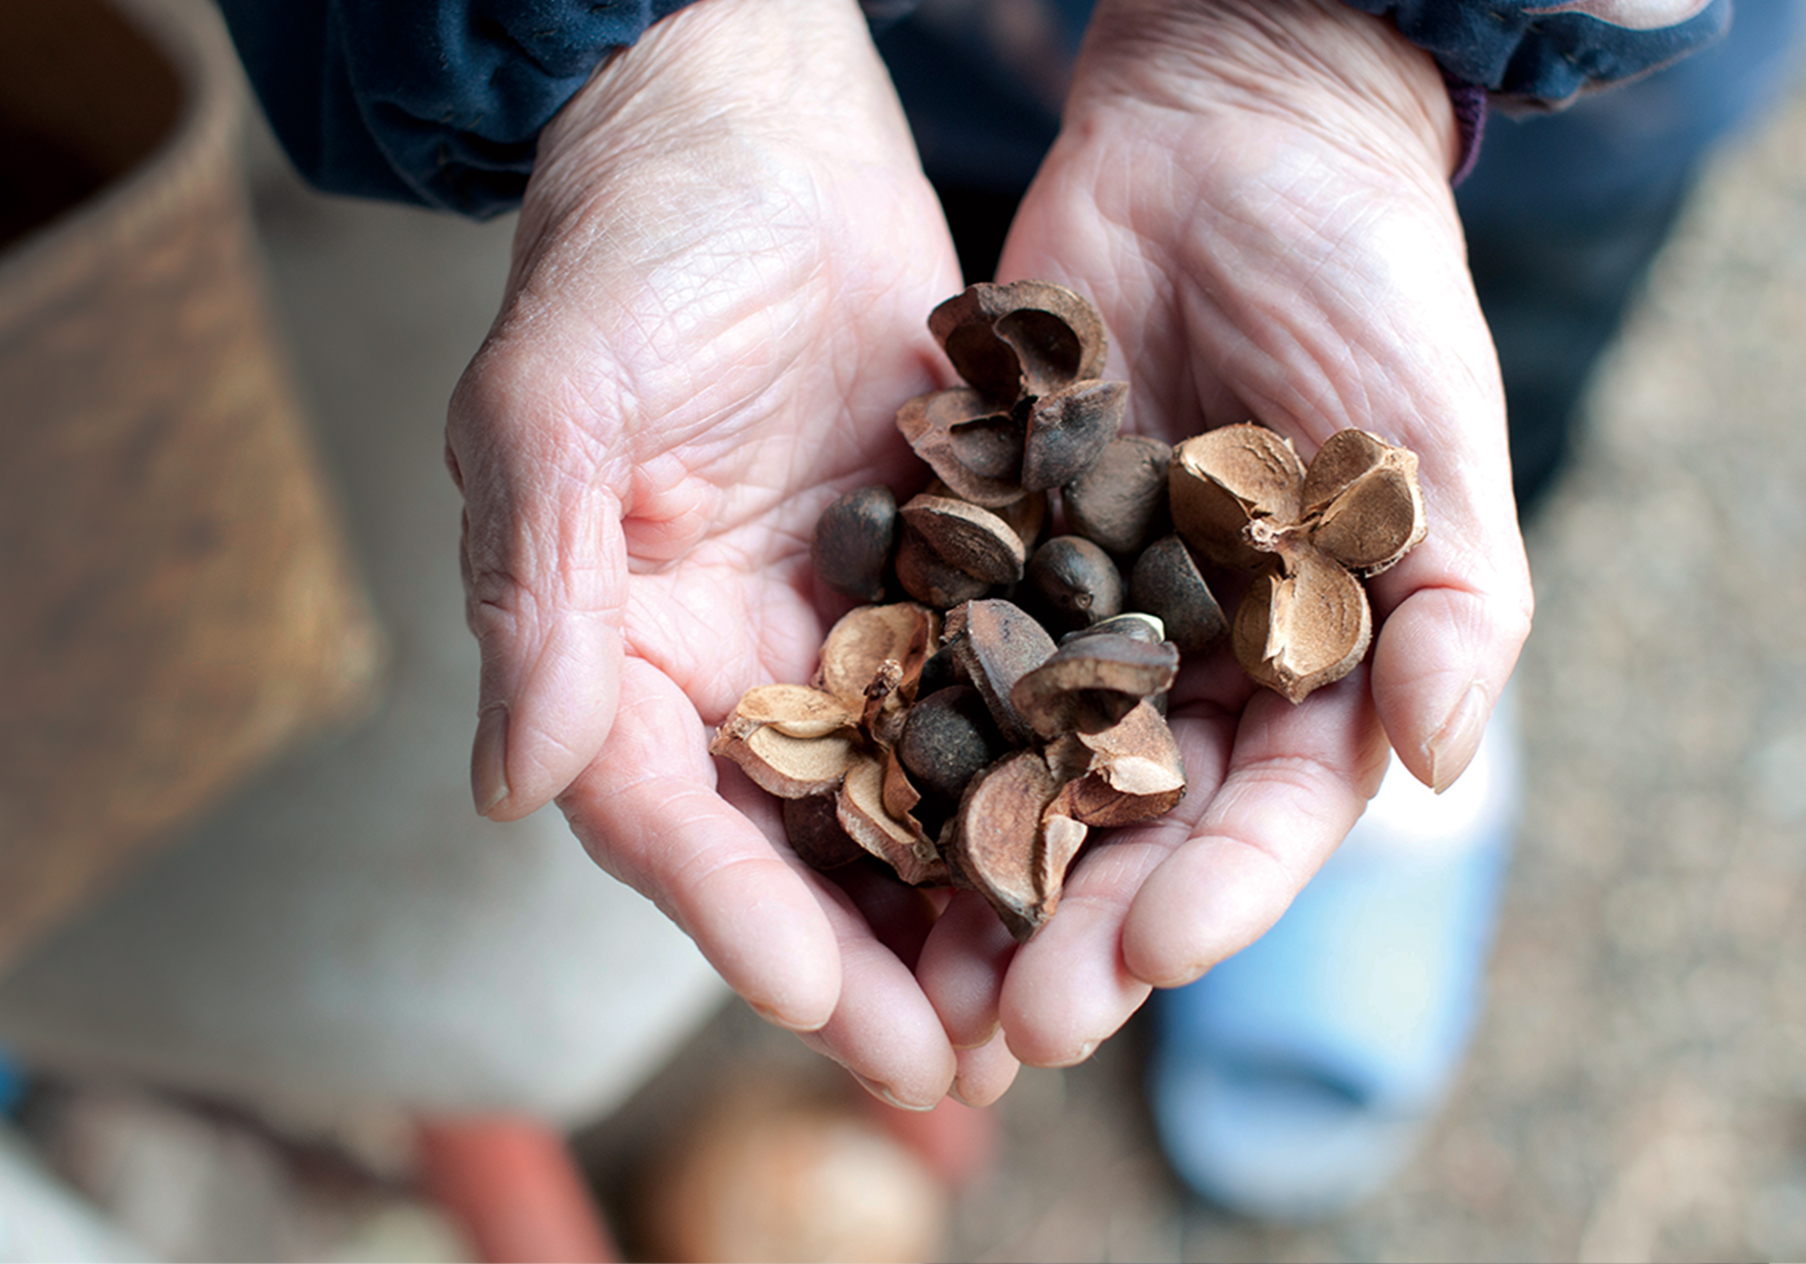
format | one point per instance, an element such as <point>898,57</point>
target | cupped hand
<point>1256,195</point>
<point>722,271</point>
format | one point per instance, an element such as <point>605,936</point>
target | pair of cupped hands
<point>718,300</point>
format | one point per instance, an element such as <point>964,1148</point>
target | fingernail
<point>1453,747</point>
<point>1079,1055</point>
<point>772,1016</point>
<point>883,1093</point>
<point>488,760</point>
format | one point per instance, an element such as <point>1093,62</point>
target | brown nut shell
<point>899,842</point>
<point>967,537</point>
<point>1301,625</point>
<point>1224,479</point>
<point>864,639</point>
<point>1132,771</point>
<point>1362,496</point>
<point>1026,337</point>
<point>950,428</point>
<point>998,845</point>
<point>1092,682</point>
<point>996,643</point>
<point>1068,429</point>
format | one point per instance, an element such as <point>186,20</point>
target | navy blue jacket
<point>441,102</point>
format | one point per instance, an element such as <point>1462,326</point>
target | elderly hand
<point>1255,193</point>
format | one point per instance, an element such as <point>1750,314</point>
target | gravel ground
<point>1638,1087</point>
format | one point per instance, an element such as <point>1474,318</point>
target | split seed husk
<point>1026,337</point>
<point>1092,682</point>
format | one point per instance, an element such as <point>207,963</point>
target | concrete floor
<point>1638,1089</point>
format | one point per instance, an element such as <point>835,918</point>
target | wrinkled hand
<point>721,278</point>
<point>1255,193</point>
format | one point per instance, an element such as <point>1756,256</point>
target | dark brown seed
<point>949,736</point>
<point>1120,501</point>
<point>1076,582</point>
<point>815,833</point>
<point>853,540</point>
<point>1166,582</point>
<point>1068,429</point>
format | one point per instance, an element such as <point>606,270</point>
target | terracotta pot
<point>180,603</point>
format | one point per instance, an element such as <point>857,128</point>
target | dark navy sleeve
<point>437,102</point>
<point>1539,53</point>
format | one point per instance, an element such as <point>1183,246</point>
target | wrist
<point>1321,64</point>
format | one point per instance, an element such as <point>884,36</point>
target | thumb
<point>544,566</point>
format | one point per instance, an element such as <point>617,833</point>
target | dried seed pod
<point>1361,494</point>
<point>999,846</point>
<point>1119,501</point>
<point>949,736</point>
<point>1027,337</point>
<point>864,639</point>
<point>1222,480</point>
<point>967,537</point>
<point>924,575</point>
<point>1166,582</point>
<point>813,827</point>
<point>793,710</point>
<point>996,644</point>
<point>853,540</point>
<point>1304,623</point>
<point>1076,582</point>
<point>1092,682</point>
<point>962,435</point>
<point>789,767</point>
<point>899,842</point>
<point>1131,772</point>
<point>1068,429</point>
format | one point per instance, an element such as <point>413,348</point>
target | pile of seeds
<point>947,731</point>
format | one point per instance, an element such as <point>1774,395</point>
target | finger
<point>1068,989</point>
<point>883,1030</point>
<point>545,579</point>
<point>649,812</point>
<point>962,969</point>
<point>1298,778</point>
<point>1446,649</point>
<point>985,1073</point>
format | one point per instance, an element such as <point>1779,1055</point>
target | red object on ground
<point>957,1142</point>
<point>513,1187</point>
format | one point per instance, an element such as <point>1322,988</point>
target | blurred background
<point>1638,1087</point>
